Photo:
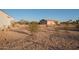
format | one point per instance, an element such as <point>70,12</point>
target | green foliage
<point>43,21</point>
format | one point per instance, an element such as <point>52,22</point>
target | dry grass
<point>45,39</point>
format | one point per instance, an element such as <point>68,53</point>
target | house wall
<point>5,20</point>
<point>51,23</point>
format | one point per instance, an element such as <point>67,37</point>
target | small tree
<point>43,21</point>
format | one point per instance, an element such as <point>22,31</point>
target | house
<point>51,22</point>
<point>5,20</point>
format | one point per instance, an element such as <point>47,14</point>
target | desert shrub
<point>23,22</point>
<point>66,26</point>
<point>13,24</point>
<point>77,26</point>
<point>20,22</point>
<point>33,27</point>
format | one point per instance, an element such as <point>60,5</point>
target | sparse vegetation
<point>43,40</point>
<point>77,26</point>
<point>33,26</point>
<point>40,37</point>
<point>23,22</point>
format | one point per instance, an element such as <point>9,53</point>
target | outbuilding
<point>51,22</point>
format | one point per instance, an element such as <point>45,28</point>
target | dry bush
<point>33,27</point>
<point>77,26</point>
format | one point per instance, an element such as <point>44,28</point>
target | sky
<point>38,14</point>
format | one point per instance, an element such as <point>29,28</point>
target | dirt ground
<point>46,38</point>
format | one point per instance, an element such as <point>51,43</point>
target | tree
<point>43,21</point>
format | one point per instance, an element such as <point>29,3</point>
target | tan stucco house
<point>51,22</point>
<point>5,20</point>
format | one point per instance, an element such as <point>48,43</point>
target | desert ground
<point>47,38</point>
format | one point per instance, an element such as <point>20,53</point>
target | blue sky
<point>37,14</point>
